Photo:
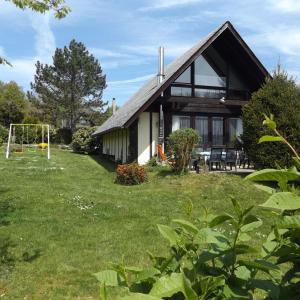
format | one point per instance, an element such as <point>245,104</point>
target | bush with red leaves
<point>130,174</point>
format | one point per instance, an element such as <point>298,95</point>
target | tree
<point>72,87</point>
<point>41,6</point>
<point>280,97</point>
<point>12,103</point>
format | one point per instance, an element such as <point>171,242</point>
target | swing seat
<point>18,150</point>
<point>43,146</point>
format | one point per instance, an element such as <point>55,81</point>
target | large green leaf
<point>210,236</point>
<point>187,226</point>
<point>167,286</point>
<point>251,226</point>
<point>265,188</point>
<point>169,233</point>
<point>147,273</point>
<point>244,249</point>
<point>237,207</point>
<point>281,176</point>
<point>261,265</point>
<point>290,222</point>
<point>270,138</point>
<point>283,201</point>
<point>109,278</point>
<point>268,286</point>
<point>138,296</point>
<point>220,219</point>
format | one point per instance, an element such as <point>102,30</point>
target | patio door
<point>180,122</point>
<point>201,125</point>
<point>217,131</point>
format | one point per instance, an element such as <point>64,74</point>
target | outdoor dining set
<point>219,159</point>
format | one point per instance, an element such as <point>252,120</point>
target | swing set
<point>25,139</point>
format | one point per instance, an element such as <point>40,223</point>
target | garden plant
<point>181,144</point>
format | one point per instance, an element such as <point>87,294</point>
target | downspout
<point>160,78</point>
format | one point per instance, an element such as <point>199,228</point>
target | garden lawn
<point>66,219</point>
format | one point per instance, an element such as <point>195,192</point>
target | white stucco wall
<point>144,138</point>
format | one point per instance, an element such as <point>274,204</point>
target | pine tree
<point>72,87</point>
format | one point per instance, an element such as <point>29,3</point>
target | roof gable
<point>149,92</point>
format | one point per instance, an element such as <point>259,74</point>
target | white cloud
<point>105,53</point>
<point>44,37</point>
<point>133,80</point>
<point>164,4</point>
<point>290,6</point>
<point>23,68</point>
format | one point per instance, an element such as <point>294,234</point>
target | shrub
<point>63,136</point>
<point>181,143</point>
<point>279,96</point>
<point>3,133</point>
<point>83,141</point>
<point>152,161</point>
<point>131,174</point>
<point>1,142</point>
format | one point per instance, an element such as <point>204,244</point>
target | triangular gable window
<point>185,77</point>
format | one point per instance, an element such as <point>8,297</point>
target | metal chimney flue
<point>113,104</point>
<point>161,65</point>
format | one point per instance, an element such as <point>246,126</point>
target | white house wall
<point>116,144</point>
<point>144,147</point>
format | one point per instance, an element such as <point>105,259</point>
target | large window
<point>217,131</point>
<point>235,127</point>
<point>207,75</point>
<point>180,122</point>
<point>181,91</point>
<point>201,125</point>
<point>210,93</point>
<point>185,77</point>
<point>211,76</point>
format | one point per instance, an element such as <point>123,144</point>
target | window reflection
<point>205,74</point>
<point>181,91</point>
<point>210,93</point>
<point>201,125</point>
<point>185,77</point>
<point>180,122</point>
<point>217,131</point>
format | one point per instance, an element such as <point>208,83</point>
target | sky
<point>125,35</point>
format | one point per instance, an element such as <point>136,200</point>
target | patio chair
<point>243,159</point>
<point>215,158</point>
<point>230,158</point>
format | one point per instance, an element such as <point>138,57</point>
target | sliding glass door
<point>180,122</point>
<point>201,125</point>
<point>217,131</point>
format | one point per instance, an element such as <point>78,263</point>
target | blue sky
<point>125,35</point>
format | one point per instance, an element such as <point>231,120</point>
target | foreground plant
<point>283,243</point>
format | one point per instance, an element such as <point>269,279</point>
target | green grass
<point>67,219</point>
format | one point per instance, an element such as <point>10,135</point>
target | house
<point>204,89</point>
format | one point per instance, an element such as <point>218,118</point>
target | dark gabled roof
<point>151,89</point>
